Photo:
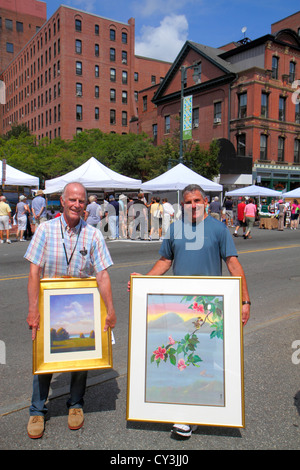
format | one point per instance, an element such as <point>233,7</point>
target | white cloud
<point>164,41</point>
<point>165,7</point>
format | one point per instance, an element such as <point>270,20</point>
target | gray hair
<point>193,187</point>
<point>68,184</point>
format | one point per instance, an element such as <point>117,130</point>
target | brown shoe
<point>36,426</point>
<point>75,419</point>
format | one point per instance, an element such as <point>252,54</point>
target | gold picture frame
<point>185,351</point>
<point>70,335</point>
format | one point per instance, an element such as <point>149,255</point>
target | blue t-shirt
<point>198,249</point>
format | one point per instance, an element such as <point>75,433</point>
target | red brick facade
<point>77,72</point>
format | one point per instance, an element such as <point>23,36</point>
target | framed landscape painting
<point>185,355</point>
<point>71,336</point>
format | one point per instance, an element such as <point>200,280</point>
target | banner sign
<point>187,117</point>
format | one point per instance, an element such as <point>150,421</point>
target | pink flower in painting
<point>159,353</point>
<point>181,364</point>
<point>171,340</point>
<point>199,308</point>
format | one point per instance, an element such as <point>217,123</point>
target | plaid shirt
<point>46,249</point>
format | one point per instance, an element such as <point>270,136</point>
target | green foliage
<point>130,154</point>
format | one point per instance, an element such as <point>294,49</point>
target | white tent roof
<point>254,190</point>
<point>294,193</point>
<point>178,178</point>
<point>93,175</point>
<point>16,177</point>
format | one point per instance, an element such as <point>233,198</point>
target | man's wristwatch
<point>245,302</point>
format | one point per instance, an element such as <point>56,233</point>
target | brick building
<point>77,72</point>
<point>244,99</point>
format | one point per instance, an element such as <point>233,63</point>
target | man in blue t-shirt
<point>196,246</point>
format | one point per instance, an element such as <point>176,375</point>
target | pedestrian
<point>38,206</point>
<point>113,210</point>
<point>240,217</point>
<point>215,208</point>
<point>156,212</point>
<point>5,217</point>
<point>93,212</point>
<point>249,217</point>
<point>281,212</point>
<point>294,214</point>
<point>22,209</point>
<point>201,256</point>
<point>168,215</point>
<point>65,247</point>
<point>229,211</point>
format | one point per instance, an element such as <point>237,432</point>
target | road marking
<point>143,263</point>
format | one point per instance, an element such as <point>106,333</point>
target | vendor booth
<point>14,177</point>
<point>92,175</point>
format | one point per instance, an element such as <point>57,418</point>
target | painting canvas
<point>71,336</point>
<point>185,356</point>
<point>185,350</point>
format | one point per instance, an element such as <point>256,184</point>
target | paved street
<point>271,260</point>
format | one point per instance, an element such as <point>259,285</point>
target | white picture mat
<point>137,409</point>
<point>72,356</point>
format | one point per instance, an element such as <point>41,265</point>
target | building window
<point>78,130</point>
<point>195,118</point>
<point>124,97</point>
<point>282,103</point>
<point>112,54</point>
<point>97,29</point>
<point>281,149</point>
<point>275,63</point>
<point>112,75</point>
<point>124,38</point>
<point>297,113</point>
<point>78,89</point>
<point>112,34</point>
<point>136,76</point>
<point>78,112</point>
<point>19,26</point>
<point>96,113</point>
<point>264,108</point>
<point>9,47</point>
<point>145,103</point>
<point>97,50</point>
<point>97,70</point>
<point>217,112</point>
<point>292,73</point>
<point>136,96</point>
<point>263,147</point>
<point>167,124</point>
<point>154,131</point>
<point>9,24</point>
<point>78,46</point>
<point>242,111</point>
<point>297,151</point>
<point>241,144</point>
<point>124,77</point>
<point>112,95</point>
<point>124,57</point>
<point>153,79</point>
<point>78,68</point>
<point>124,118</point>
<point>77,25</point>
<point>96,92</point>
<point>112,116</point>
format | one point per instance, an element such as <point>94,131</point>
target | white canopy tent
<point>294,193</point>
<point>254,190</point>
<point>93,175</point>
<point>16,177</point>
<point>178,178</point>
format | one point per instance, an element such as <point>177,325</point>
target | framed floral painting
<point>185,358</point>
<point>71,336</point>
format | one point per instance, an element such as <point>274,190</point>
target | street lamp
<point>197,79</point>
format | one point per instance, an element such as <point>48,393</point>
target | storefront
<point>278,177</point>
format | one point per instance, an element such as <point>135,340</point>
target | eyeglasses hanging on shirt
<point>82,252</point>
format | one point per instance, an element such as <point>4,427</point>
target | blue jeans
<point>41,385</point>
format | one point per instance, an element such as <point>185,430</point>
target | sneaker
<point>35,427</point>
<point>183,429</point>
<point>8,241</point>
<point>76,418</point>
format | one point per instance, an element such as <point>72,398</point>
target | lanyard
<point>63,240</point>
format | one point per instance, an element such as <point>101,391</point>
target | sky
<point>163,26</point>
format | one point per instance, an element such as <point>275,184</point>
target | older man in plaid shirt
<point>65,246</point>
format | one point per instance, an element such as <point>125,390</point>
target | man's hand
<point>110,320</point>
<point>33,320</point>
<point>129,282</point>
